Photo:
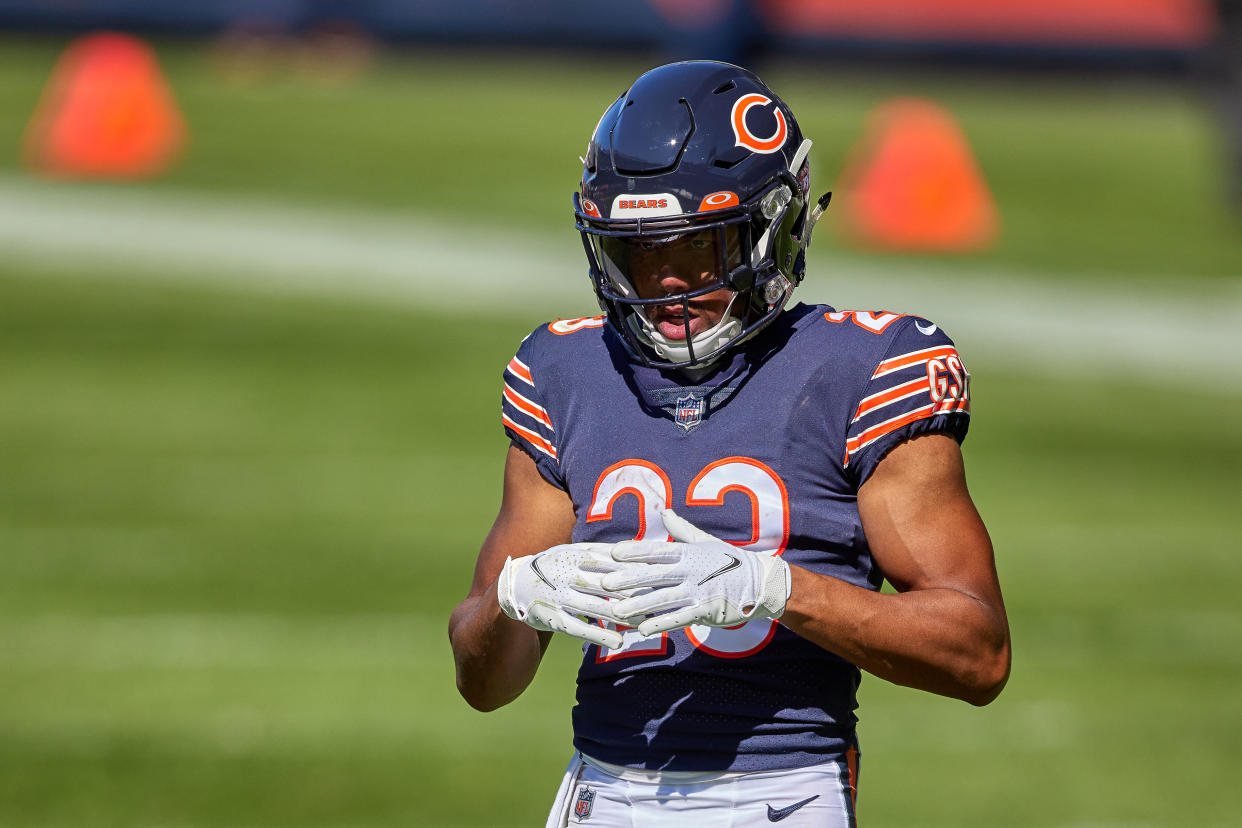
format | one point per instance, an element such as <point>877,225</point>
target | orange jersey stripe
<point>883,398</point>
<point>519,370</point>
<point>531,437</point>
<point>876,432</point>
<point>913,358</point>
<point>526,406</point>
<point>953,405</point>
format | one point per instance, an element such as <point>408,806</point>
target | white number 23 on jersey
<point>769,532</point>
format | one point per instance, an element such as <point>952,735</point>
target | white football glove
<point>558,589</point>
<point>698,579</point>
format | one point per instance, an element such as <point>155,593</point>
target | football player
<point>708,485</point>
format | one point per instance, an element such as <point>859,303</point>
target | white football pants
<point>597,794</point>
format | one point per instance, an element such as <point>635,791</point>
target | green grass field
<point>233,521</point>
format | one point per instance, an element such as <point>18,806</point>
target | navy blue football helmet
<point>704,151</point>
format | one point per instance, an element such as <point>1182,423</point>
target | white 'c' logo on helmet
<point>748,139</point>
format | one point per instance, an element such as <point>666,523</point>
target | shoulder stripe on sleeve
<point>530,437</point>
<point>866,438</point>
<point>897,363</point>
<point>527,406</point>
<point>891,395</point>
<point>520,370</point>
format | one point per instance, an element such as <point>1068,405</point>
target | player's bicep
<point>921,524</point>
<point>534,515</point>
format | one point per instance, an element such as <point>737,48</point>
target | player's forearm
<point>496,657</point>
<point>939,640</point>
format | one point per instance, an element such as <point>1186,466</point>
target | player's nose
<point>673,279</point>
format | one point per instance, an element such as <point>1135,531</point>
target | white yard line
<point>1122,330</point>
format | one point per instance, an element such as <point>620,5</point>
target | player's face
<point>682,265</point>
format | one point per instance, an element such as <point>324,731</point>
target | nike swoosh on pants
<point>777,814</point>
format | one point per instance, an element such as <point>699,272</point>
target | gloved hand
<point>697,579</point>
<point>558,589</point>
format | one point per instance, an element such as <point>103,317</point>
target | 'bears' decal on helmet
<point>655,204</point>
<point>748,139</point>
<point>718,201</point>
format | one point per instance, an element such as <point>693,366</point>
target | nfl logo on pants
<point>582,808</point>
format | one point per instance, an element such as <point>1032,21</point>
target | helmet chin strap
<point>704,342</point>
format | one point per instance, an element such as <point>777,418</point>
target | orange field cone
<point>107,111</point>
<point>912,183</point>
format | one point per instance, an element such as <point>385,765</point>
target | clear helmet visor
<point>668,267</point>
<point>674,291</point>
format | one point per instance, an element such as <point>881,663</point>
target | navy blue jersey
<point>767,453</point>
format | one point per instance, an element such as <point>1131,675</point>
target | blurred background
<point>262,263</point>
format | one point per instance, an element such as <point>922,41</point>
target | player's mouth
<point>671,323</point>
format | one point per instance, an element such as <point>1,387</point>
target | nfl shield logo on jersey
<point>689,411</point>
<point>582,808</point>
